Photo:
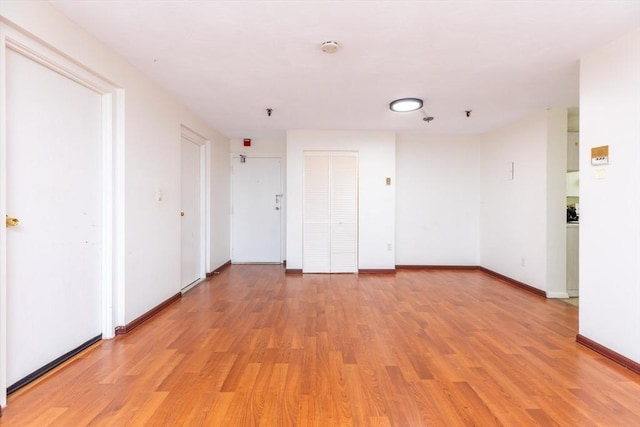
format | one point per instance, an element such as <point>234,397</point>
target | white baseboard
<point>557,295</point>
<point>191,286</point>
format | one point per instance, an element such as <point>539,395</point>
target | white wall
<point>259,146</point>
<point>376,200</point>
<point>523,219</point>
<point>513,212</point>
<point>610,197</point>
<point>437,200</point>
<point>556,206</point>
<point>220,204</point>
<point>152,161</point>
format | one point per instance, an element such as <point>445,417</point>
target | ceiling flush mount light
<point>329,46</point>
<point>406,104</point>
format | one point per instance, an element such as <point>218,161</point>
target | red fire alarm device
<point>247,142</point>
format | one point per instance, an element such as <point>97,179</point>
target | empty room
<point>326,213</point>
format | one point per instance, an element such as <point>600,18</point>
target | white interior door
<point>330,218</point>
<point>190,225</point>
<point>344,214</point>
<point>54,188</point>
<point>316,239</point>
<point>257,209</point>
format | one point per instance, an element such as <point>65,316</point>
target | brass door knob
<point>181,213</point>
<point>12,222</point>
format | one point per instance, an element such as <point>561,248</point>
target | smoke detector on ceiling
<point>329,46</point>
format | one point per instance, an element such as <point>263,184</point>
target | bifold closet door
<point>344,214</point>
<point>330,234</point>
<point>316,250</point>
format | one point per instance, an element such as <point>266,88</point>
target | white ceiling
<point>231,60</point>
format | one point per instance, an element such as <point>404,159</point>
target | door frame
<point>112,257</point>
<point>204,218</point>
<point>283,199</point>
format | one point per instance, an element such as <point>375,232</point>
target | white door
<point>257,209</point>
<point>54,188</point>
<point>330,215</point>
<point>190,202</point>
<point>344,214</point>
<point>316,238</point>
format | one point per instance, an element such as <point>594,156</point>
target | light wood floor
<point>253,347</point>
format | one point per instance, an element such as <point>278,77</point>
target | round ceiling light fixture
<point>403,105</point>
<point>406,104</point>
<point>329,46</point>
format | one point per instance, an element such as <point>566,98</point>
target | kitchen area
<point>573,206</point>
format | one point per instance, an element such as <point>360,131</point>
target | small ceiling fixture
<point>426,117</point>
<point>329,46</point>
<point>406,104</point>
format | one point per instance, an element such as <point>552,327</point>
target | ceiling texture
<point>231,60</point>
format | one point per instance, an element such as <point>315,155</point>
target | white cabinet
<point>573,151</point>
<point>330,231</point>
<point>573,278</point>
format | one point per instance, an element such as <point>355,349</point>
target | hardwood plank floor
<point>253,347</point>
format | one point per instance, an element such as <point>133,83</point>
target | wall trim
<point>609,354</point>
<point>377,271</point>
<point>192,286</point>
<point>437,267</point>
<point>219,269</point>
<point>52,365</point>
<point>121,330</point>
<point>514,282</point>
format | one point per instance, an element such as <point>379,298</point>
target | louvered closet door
<point>344,208</point>
<point>330,235</point>
<point>317,215</point>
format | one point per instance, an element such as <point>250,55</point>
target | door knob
<point>181,213</point>
<point>12,222</point>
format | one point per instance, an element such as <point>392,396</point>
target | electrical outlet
<point>523,261</point>
<point>389,247</point>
